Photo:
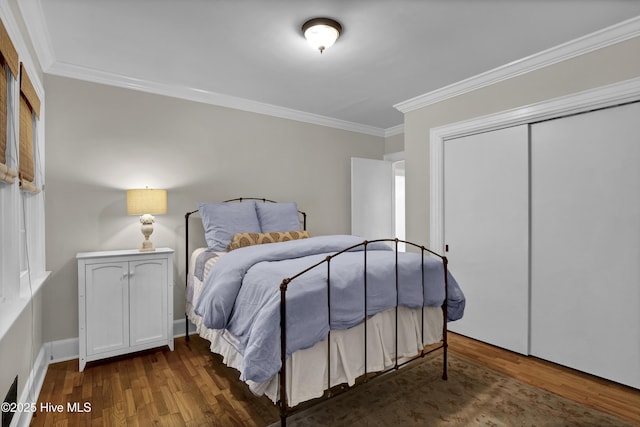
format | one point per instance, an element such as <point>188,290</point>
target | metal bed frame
<point>330,392</point>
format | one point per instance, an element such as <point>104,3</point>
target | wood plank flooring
<point>187,387</point>
<point>191,387</point>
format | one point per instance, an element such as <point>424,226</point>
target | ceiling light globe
<point>321,33</point>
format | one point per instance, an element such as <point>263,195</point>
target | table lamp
<point>146,202</point>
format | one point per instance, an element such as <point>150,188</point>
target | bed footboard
<point>285,409</point>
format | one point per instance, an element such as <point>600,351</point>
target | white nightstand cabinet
<point>125,302</point>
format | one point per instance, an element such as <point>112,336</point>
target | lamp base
<point>147,229</point>
<point>147,248</point>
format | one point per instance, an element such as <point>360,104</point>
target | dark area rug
<point>473,395</point>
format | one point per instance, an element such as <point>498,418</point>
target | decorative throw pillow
<point>241,240</point>
<point>222,220</point>
<point>278,216</point>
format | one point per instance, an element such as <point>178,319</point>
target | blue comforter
<point>242,294</point>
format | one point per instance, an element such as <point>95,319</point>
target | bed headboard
<point>303,220</point>
<point>303,215</point>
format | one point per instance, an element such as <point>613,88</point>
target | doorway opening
<point>399,202</point>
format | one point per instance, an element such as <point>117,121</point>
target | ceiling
<point>250,54</point>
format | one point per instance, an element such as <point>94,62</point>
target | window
<point>8,71</point>
<point>31,217</point>
<point>22,248</point>
<point>9,193</point>
<point>7,174</point>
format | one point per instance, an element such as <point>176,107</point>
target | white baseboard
<point>62,350</point>
<point>31,390</point>
<point>68,349</point>
<point>178,328</point>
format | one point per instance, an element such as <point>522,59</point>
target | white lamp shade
<point>146,201</point>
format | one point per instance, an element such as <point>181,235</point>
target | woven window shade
<point>29,105</point>
<point>26,142</point>
<point>27,90</point>
<point>8,51</point>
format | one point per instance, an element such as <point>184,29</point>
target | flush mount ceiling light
<point>321,33</point>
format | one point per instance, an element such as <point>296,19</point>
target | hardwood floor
<point>191,387</point>
<point>187,387</point>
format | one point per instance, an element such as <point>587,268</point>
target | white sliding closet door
<point>486,214</point>
<point>585,271</point>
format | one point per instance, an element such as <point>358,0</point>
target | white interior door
<point>372,196</point>
<point>486,226</point>
<point>585,291</point>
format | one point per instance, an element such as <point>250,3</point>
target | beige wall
<point>19,348</point>
<point>608,65</point>
<point>102,140</point>
<point>394,144</point>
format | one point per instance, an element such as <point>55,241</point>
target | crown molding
<point>394,130</point>
<point>198,95</point>
<point>606,37</point>
<point>31,11</point>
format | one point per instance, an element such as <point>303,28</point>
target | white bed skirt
<point>347,352</point>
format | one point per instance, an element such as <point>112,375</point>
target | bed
<point>260,265</point>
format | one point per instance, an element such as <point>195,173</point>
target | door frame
<point>394,158</point>
<point>602,97</point>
